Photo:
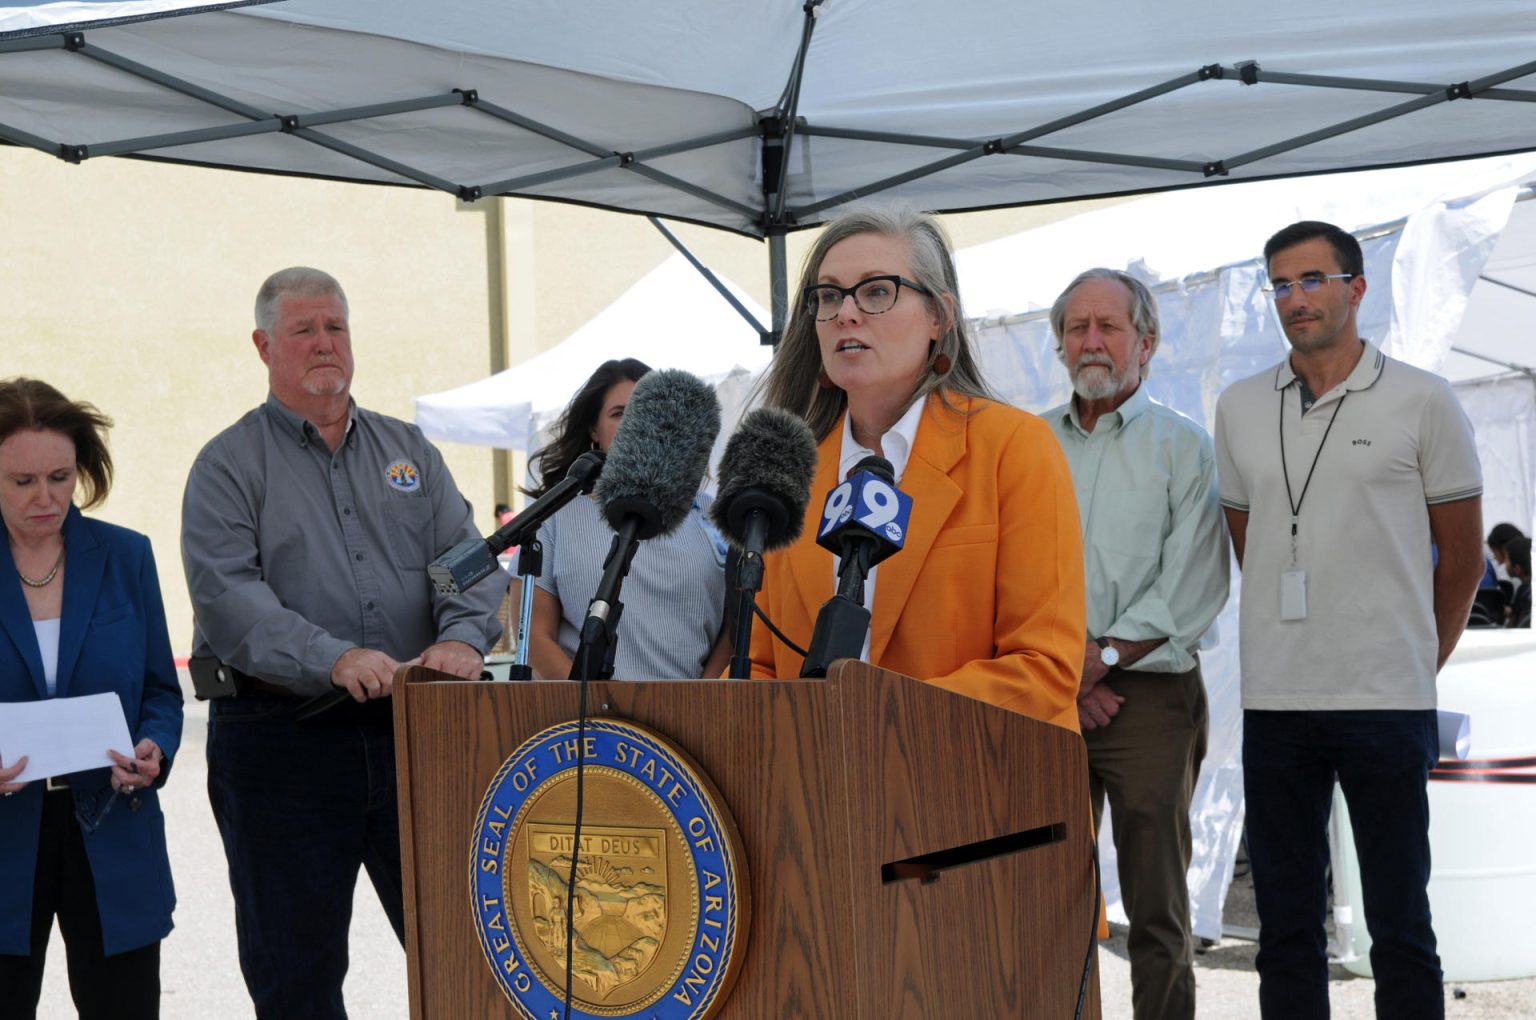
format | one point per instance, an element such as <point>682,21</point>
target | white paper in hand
<point>62,735</point>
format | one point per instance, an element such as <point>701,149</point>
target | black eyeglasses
<point>1309,284</point>
<point>874,296</point>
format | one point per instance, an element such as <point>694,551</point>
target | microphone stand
<point>843,622</point>
<point>530,566</point>
<point>749,581</point>
<point>594,660</point>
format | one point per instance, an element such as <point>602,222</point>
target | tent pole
<point>710,277</point>
<point>778,287</point>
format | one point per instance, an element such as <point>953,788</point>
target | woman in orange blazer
<point>986,598</point>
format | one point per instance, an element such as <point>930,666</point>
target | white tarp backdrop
<point>681,109</point>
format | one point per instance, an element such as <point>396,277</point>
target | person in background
<point>307,527</point>
<point>503,514</point>
<point>1157,576</point>
<point>80,614</point>
<point>674,596</point>
<point>1338,468</point>
<point>1517,553</point>
<point>986,598</point>
<point>1499,537</point>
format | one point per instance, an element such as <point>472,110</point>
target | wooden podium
<point>911,852</point>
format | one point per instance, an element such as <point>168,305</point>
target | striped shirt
<point>674,595</point>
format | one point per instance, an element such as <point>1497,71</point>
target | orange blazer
<point>987,596</point>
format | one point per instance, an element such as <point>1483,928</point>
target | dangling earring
<point>940,363</point>
<point>824,380</point>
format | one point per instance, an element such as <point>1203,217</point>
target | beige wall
<point>130,284</point>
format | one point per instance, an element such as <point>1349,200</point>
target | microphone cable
<point>1093,933</point>
<point>758,611</point>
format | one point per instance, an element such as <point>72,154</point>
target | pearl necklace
<point>32,582</point>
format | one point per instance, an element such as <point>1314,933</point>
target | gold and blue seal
<point>661,906</point>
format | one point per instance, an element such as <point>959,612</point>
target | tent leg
<point>778,288</point>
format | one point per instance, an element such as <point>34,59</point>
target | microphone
<point>866,511</point>
<point>474,559</point>
<point>655,464</point>
<point>864,521</point>
<point>659,453</point>
<point>765,484</point>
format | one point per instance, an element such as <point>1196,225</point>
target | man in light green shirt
<point>1156,570</point>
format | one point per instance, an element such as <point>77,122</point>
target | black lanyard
<point>1295,504</point>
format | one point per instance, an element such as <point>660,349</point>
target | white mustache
<point>1102,360</point>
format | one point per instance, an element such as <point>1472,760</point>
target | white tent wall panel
<point>1504,412</point>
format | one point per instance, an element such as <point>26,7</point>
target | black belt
<point>55,784</point>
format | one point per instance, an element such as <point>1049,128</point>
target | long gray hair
<point>792,381</point>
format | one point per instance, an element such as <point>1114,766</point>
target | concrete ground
<point>200,970</point>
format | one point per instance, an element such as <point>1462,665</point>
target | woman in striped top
<point>674,595</point>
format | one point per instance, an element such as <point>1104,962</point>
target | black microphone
<point>765,484</point>
<point>864,521</point>
<point>655,464</point>
<point>474,559</point>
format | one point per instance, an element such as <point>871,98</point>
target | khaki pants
<point>1147,760</point>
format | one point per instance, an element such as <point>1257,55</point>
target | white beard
<point>1099,381</point>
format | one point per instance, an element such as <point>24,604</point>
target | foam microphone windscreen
<point>767,466</point>
<point>660,452</point>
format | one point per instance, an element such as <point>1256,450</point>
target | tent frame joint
<point>470,97</point>
<point>74,42</point>
<point>1248,72</point>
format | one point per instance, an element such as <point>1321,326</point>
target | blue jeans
<point>1381,760</point>
<point>300,806</point>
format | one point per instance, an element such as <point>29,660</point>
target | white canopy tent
<point>671,318</point>
<point>766,117</point>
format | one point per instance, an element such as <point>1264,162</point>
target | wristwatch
<point>1108,653</point>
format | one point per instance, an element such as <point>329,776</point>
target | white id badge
<point>1293,595</point>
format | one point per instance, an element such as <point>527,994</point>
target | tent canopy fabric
<point>762,118</point>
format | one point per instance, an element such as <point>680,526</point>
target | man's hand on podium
<point>365,673</point>
<point>454,657</point>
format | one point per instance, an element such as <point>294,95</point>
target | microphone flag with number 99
<point>869,506</point>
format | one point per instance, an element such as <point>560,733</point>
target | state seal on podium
<point>660,910</point>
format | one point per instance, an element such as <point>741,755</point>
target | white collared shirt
<point>897,446</point>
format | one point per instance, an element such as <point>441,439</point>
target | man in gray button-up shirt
<point>1156,576</point>
<point>307,528</point>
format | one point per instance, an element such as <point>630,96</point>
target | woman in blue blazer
<point>80,613</point>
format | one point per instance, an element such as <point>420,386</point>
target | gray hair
<point>792,381</point>
<point>296,281</point>
<point>1143,309</point>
